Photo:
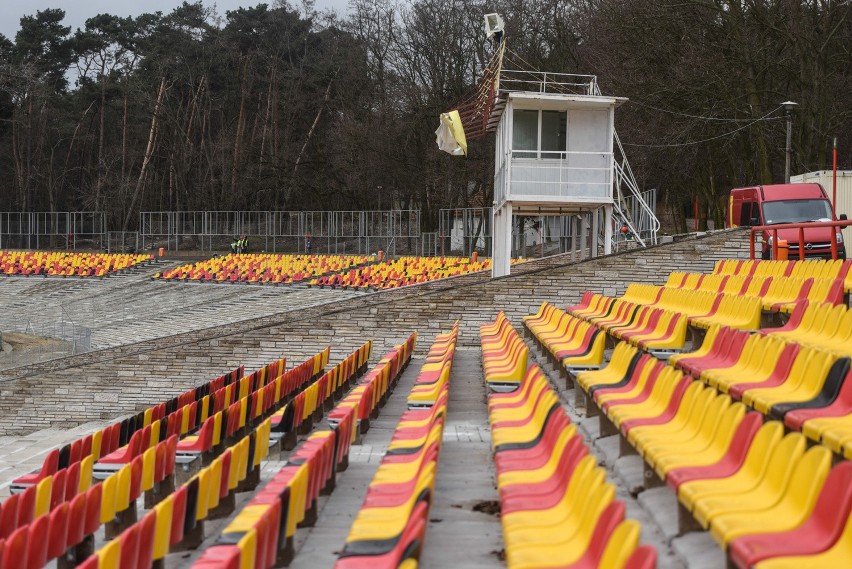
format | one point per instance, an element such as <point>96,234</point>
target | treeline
<point>276,107</point>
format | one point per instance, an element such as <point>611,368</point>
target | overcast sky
<point>78,11</point>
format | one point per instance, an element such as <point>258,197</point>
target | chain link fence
<point>333,232</point>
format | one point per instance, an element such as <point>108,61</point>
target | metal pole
<point>788,107</point>
<point>834,183</point>
<point>789,149</point>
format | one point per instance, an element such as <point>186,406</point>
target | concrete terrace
<point>181,334</point>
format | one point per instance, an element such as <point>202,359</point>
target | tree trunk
<point>149,151</point>
<point>311,131</point>
<point>238,137</point>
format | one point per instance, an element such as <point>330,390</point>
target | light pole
<point>789,106</point>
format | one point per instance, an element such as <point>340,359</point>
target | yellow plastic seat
<point>790,511</point>
<point>749,474</point>
<point>707,449</point>
<point>764,493</point>
<point>798,387</point>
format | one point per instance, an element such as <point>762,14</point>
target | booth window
<point>539,134</point>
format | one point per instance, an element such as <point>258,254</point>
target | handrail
<point>801,227</point>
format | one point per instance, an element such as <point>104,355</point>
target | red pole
<point>834,184</point>
<point>696,213</point>
<point>751,244</point>
<point>774,243</point>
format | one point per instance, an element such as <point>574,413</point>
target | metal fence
<point>52,230</point>
<point>123,242</point>
<point>465,230</point>
<point>78,337</point>
<point>343,232</point>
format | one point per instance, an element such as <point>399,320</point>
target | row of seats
<point>230,468</point>
<point>262,534</point>
<point>823,326</point>
<point>746,481</point>
<point>263,268</point>
<point>806,387</point>
<point>702,308</point>
<point>816,268</point>
<point>777,294</point>
<point>142,456</point>
<point>350,271</point>
<point>308,405</point>
<point>217,416</point>
<point>389,529</point>
<point>403,271</point>
<point>78,458</point>
<point>67,264</point>
<point>434,374</point>
<point>645,326</point>
<point>62,512</point>
<point>373,389</point>
<point>180,516</point>
<point>572,342</point>
<point>504,355</point>
<point>109,439</point>
<point>556,505</point>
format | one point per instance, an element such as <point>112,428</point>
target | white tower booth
<point>554,156</point>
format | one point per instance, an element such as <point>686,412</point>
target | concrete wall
<point>112,382</point>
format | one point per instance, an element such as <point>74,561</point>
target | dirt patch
<point>490,507</point>
<point>501,554</point>
<point>25,349</point>
<point>23,342</point>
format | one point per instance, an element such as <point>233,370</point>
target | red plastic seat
<point>129,452</point>
<point>644,557</point>
<point>819,532</point>
<point>9,515</point>
<point>48,468</point>
<point>219,557</point>
<point>778,376</point>
<point>729,463</point>
<point>92,521</point>
<point>57,531</point>
<point>664,417</point>
<point>15,550</point>
<point>76,520</point>
<point>26,506</point>
<point>57,488</point>
<point>178,515</point>
<point>36,543</point>
<point>129,540</point>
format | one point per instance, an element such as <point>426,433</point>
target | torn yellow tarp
<point>450,134</point>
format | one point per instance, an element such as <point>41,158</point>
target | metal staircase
<point>632,207</point>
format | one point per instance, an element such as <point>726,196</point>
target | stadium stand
<point>748,431</point>
<point>402,272</point>
<point>710,423</point>
<point>389,529</point>
<point>555,502</point>
<point>62,264</point>
<point>230,418</point>
<point>262,268</point>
